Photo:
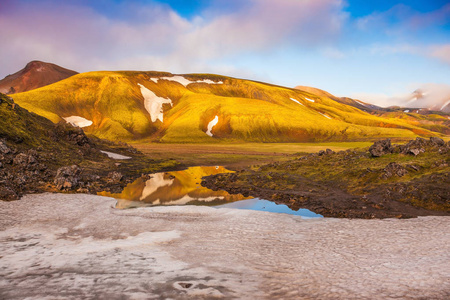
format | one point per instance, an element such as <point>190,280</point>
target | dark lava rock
<point>4,149</point>
<point>380,148</point>
<point>437,141</point>
<point>67,178</point>
<point>115,176</point>
<point>394,169</point>
<point>415,152</point>
<point>414,147</point>
<point>7,194</point>
<point>25,160</point>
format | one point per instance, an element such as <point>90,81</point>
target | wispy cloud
<point>425,95</point>
<point>441,52</point>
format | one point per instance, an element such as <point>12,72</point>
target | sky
<point>376,51</point>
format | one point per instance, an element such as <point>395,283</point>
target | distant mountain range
<point>36,74</point>
<point>165,107</point>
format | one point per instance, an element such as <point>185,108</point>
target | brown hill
<point>36,74</point>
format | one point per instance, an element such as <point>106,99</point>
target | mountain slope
<point>158,106</point>
<point>35,75</point>
<point>431,118</point>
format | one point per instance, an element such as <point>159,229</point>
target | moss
<point>248,111</point>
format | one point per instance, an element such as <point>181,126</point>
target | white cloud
<point>426,95</point>
<point>156,37</point>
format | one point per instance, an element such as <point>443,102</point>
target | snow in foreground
<point>57,246</point>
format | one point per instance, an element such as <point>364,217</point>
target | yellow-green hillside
<point>246,110</point>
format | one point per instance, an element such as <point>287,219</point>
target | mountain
<point>435,99</point>
<point>163,107</point>
<point>432,113</point>
<point>36,74</point>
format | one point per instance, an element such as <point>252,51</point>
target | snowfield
<point>211,125</point>
<point>66,246</point>
<point>78,121</point>
<point>184,81</point>
<point>115,155</point>
<point>154,104</point>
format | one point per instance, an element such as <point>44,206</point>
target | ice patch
<point>155,80</point>
<point>296,101</point>
<point>406,111</point>
<point>154,104</point>
<point>211,125</point>
<point>324,115</point>
<point>445,104</point>
<point>310,100</point>
<point>115,155</point>
<point>77,121</point>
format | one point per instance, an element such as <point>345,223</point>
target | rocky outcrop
<point>380,148</point>
<point>68,178</point>
<point>4,149</point>
<point>413,147</point>
<point>115,177</point>
<point>394,169</point>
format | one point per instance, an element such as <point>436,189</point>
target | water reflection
<point>265,205</point>
<point>174,188</point>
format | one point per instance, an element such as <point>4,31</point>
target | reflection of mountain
<point>174,188</point>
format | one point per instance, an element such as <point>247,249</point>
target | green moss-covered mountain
<point>158,106</point>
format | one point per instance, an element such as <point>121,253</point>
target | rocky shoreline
<point>38,156</point>
<point>384,181</point>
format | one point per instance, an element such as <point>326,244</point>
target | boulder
<point>329,151</point>
<point>394,169</point>
<point>68,178</point>
<point>27,161</point>
<point>380,148</point>
<point>415,152</point>
<point>115,176</point>
<point>435,141</point>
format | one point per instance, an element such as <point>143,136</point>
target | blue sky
<point>373,50</point>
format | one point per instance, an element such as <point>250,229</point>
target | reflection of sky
<point>265,205</point>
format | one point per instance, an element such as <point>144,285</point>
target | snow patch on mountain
<point>154,104</point>
<point>324,115</point>
<point>310,100</point>
<point>115,155</point>
<point>296,101</point>
<point>78,121</point>
<point>211,125</point>
<point>182,80</point>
